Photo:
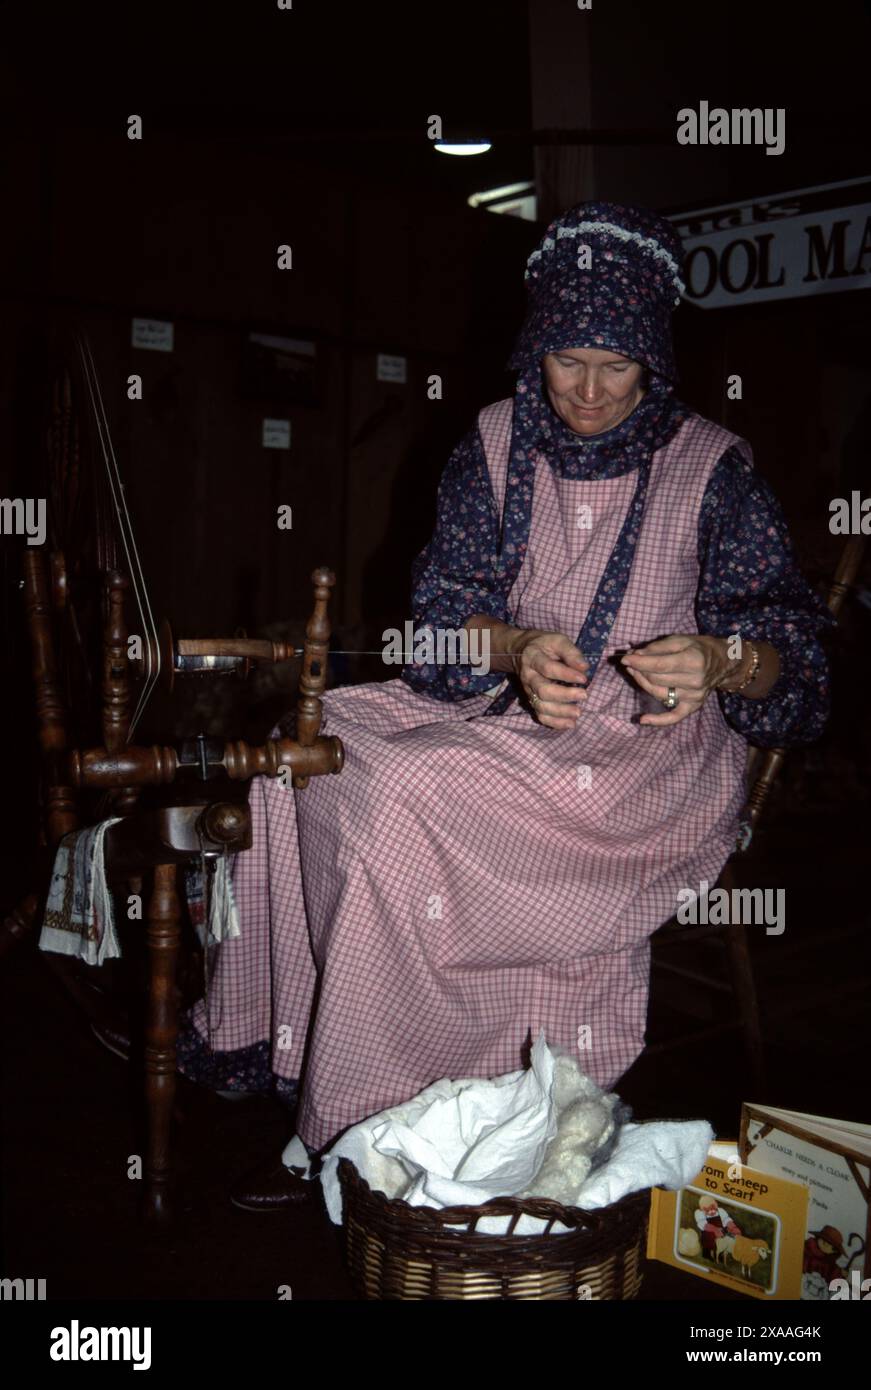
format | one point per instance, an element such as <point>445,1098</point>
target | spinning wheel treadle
<point>92,686</point>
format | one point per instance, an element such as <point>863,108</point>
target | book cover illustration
<point>743,1243</point>
<point>734,1226</point>
<point>832,1158</point>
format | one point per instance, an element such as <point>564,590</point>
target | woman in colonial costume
<point>500,847</point>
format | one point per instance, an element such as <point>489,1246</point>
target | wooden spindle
<point>163,933</point>
<point>50,712</point>
<point>242,761</point>
<point>116,681</point>
<point>158,766</point>
<point>313,677</point>
<point>845,574</point>
<point>764,768</point>
<point>116,673</point>
<point>130,767</point>
<point>51,720</point>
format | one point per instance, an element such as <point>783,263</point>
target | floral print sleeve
<point>454,576</point>
<point>750,584</point>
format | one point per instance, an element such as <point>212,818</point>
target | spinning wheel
<point>94,676</point>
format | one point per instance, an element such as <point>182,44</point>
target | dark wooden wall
<point>106,230</point>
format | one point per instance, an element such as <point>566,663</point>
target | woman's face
<point>592,389</point>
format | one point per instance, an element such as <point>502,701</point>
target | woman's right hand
<point>541,659</point>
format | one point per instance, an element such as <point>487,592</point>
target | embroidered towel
<point>78,919</point>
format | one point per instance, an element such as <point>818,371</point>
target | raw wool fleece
<point>588,1126</point>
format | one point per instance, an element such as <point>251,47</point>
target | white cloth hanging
<point>79,920</point>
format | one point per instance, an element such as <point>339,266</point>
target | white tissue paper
<point>460,1143</point>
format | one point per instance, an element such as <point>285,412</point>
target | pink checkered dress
<point>466,881</point>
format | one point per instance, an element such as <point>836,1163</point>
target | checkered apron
<point>466,881</point>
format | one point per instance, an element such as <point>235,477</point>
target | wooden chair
<point>737,980</point>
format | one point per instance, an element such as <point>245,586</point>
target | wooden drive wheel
<point>93,679</point>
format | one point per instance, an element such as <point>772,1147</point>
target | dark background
<point>308,127</point>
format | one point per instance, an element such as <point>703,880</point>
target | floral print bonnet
<point>603,276</point>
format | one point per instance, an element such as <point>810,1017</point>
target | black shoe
<point>273,1187</point>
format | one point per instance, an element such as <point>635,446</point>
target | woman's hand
<point>541,660</point>
<point>691,663</point>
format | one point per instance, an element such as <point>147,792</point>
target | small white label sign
<point>154,334</point>
<point>392,368</point>
<point>276,434</point>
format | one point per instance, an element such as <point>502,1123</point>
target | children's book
<point>735,1226</point>
<point>833,1157</point>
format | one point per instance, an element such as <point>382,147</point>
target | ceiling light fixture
<point>464,147</point>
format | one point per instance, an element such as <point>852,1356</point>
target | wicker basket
<point>397,1251</point>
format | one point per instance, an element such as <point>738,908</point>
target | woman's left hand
<point>692,664</point>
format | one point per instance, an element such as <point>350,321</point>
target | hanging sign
<point>154,334</point>
<point>813,241</point>
<point>276,434</point>
<point>390,368</point>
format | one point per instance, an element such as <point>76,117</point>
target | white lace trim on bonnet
<point>612,229</point>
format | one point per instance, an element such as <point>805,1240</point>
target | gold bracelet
<point>751,675</point>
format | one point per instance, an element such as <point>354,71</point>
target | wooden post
<point>163,931</point>
<point>116,681</point>
<point>61,812</point>
<point>313,677</point>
